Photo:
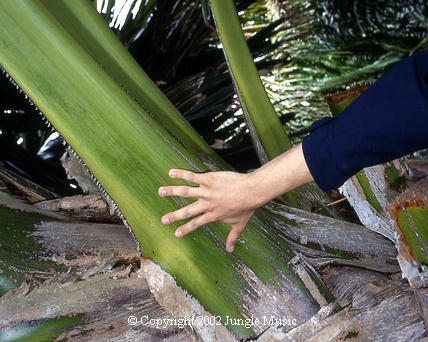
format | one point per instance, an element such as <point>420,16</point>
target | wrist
<point>258,192</point>
<point>281,175</point>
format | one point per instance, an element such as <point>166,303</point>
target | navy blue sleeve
<point>387,121</point>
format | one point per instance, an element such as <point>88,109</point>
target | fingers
<point>179,190</point>
<point>182,213</point>
<point>182,190</point>
<point>187,175</point>
<point>233,236</point>
<point>199,221</point>
<point>192,225</point>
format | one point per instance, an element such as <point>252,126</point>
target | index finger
<point>187,175</point>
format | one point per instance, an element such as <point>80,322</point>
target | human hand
<point>221,196</point>
<point>233,197</point>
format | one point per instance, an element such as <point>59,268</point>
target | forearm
<point>281,175</point>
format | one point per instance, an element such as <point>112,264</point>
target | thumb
<point>233,236</point>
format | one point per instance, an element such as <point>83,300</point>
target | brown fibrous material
<point>355,91</point>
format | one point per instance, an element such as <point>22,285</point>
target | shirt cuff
<point>319,157</point>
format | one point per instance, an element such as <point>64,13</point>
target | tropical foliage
<point>309,48</point>
<point>129,134</point>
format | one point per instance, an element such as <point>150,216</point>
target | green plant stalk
<point>266,130</point>
<point>368,193</point>
<point>130,154</point>
<point>413,222</point>
<point>262,121</point>
<point>87,28</point>
<point>253,95</point>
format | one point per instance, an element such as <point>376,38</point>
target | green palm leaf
<point>120,126</point>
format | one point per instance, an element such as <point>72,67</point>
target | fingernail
<point>172,173</point>
<point>178,233</point>
<point>165,220</point>
<point>230,248</point>
<point>162,192</point>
